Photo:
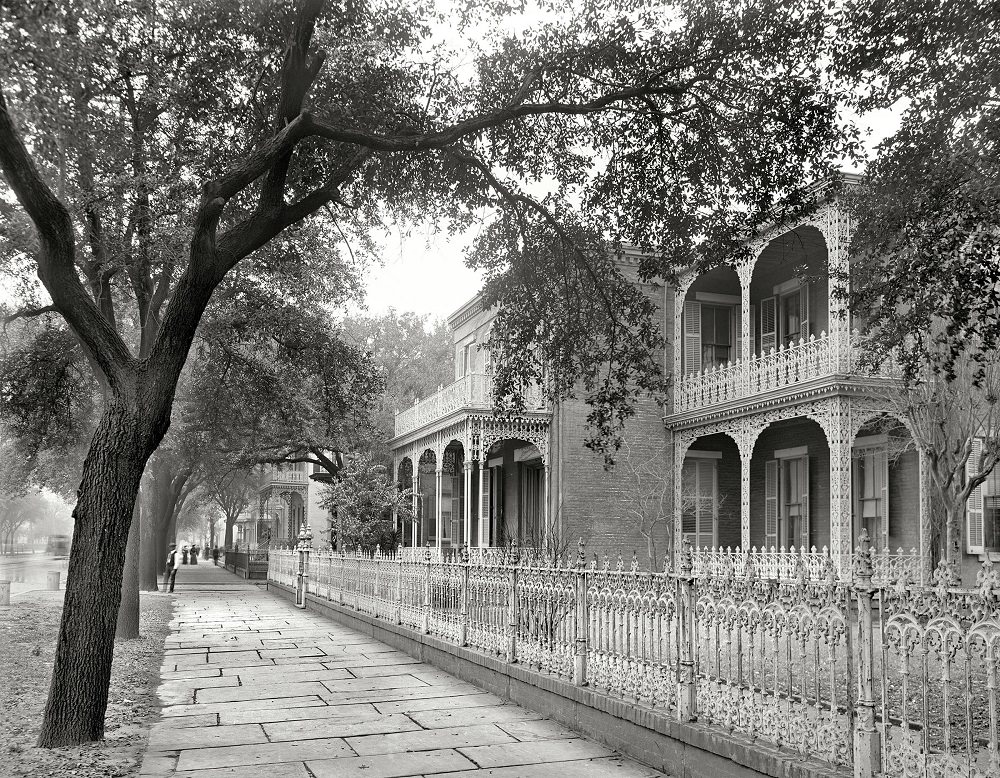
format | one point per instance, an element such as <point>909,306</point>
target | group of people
<point>184,556</point>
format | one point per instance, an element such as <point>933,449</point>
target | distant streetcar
<point>58,545</point>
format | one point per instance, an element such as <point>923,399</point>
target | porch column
<point>745,272</point>
<point>745,457</point>
<point>546,526</point>
<point>467,503</point>
<point>414,481</point>
<point>438,478</point>
<point>680,447</point>
<point>484,503</point>
<point>840,438</point>
<point>837,233</point>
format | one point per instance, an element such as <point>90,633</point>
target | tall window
<point>991,510</point>
<point>871,509</point>
<point>716,335</point>
<point>700,506</point>
<point>786,499</point>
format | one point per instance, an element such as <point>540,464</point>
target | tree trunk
<point>128,610</point>
<point>149,558</point>
<point>229,531</point>
<point>78,693</point>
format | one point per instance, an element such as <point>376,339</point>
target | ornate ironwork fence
<point>847,667</point>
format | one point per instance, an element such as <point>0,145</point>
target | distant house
<point>287,496</point>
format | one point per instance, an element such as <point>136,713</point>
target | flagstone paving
<point>252,686</point>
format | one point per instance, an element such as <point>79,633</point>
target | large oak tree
<point>677,126</point>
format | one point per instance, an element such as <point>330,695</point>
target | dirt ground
<point>28,630</point>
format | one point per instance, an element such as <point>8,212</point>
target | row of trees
<point>183,177</point>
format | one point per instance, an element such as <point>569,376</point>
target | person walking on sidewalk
<point>172,564</point>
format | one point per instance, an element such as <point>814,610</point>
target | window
<point>699,500</point>
<point>871,509</point>
<point>786,499</point>
<point>716,335</point>
<point>991,510</point>
<point>792,318</point>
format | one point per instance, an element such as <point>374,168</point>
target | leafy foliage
<point>363,497</point>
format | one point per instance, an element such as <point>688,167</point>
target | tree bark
<point>149,557</point>
<point>78,694</point>
<point>128,610</point>
<point>229,531</point>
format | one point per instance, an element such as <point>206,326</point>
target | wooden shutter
<point>768,324</point>
<point>803,539</point>
<point>804,329</point>
<point>737,317</point>
<point>707,503</point>
<point>975,543</point>
<point>484,504</point>
<point>771,503</point>
<point>882,484</point>
<point>750,349</point>
<point>692,337</point>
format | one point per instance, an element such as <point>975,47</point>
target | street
<point>28,572</point>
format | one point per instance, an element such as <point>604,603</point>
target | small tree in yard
<point>647,499</point>
<point>364,497</point>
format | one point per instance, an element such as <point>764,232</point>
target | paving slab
<point>391,765</point>
<point>253,686</point>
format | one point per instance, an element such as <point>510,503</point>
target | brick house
<point>772,436</point>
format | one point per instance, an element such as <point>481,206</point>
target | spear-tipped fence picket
<point>866,669</point>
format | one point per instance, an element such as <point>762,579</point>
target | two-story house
<point>773,436</point>
<point>288,495</point>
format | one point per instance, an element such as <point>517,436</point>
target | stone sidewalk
<point>252,686</point>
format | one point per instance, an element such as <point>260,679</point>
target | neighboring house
<point>773,435</point>
<point>288,495</point>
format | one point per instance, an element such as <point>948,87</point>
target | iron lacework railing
<point>881,677</point>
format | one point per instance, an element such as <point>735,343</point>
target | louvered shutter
<point>692,337</point>
<point>771,503</point>
<point>803,539</point>
<point>976,544</point>
<point>804,311</point>
<point>484,505</point>
<point>707,473</point>
<point>751,346</point>
<point>768,324</point>
<point>737,319</point>
<point>882,484</point>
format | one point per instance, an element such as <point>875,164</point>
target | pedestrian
<point>184,554</point>
<point>194,554</point>
<point>215,555</point>
<point>171,571</point>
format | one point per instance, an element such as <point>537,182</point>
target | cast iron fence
<point>850,668</point>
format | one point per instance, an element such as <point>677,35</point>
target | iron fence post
<point>357,582</point>
<point>399,588</point>
<point>343,576</point>
<point>581,625</point>
<point>303,547</point>
<point>463,629</point>
<point>867,746</point>
<point>515,560</point>
<point>427,589</point>
<point>687,696</point>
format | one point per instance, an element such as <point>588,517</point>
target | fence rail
<point>886,677</point>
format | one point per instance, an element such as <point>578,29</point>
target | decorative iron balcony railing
<point>471,392</point>
<point>779,368</point>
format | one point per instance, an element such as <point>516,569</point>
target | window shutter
<point>804,538</point>
<point>706,503</point>
<point>974,506</point>
<point>738,331</point>
<point>484,505</point>
<point>750,346</point>
<point>771,503</point>
<point>804,311</point>
<point>692,337</point>
<point>882,474</point>
<point>768,324</point>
